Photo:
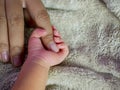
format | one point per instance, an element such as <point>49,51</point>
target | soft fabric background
<point>91,28</point>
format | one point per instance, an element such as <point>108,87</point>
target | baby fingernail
<point>4,56</point>
<point>53,27</point>
<point>53,47</point>
<point>16,60</point>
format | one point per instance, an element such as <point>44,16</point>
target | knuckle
<point>42,15</point>
<point>48,38</point>
<point>16,50</point>
<point>3,46</point>
<point>2,20</point>
<point>15,20</point>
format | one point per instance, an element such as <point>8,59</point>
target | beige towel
<point>91,28</point>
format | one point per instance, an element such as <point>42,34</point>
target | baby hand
<point>39,54</point>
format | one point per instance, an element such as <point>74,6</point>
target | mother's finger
<point>34,40</point>
<point>4,47</point>
<point>28,19</point>
<point>16,30</point>
<point>41,17</point>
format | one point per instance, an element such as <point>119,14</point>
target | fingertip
<point>16,61</point>
<point>61,45</point>
<point>58,40</point>
<point>55,31</point>
<point>53,27</point>
<point>17,55</point>
<point>63,48</point>
<point>53,47</point>
<point>4,56</point>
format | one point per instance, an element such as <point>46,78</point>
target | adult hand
<point>11,31</point>
<point>12,28</point>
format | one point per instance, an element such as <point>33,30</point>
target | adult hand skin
<point>12,28</point>
<point>11,31</point>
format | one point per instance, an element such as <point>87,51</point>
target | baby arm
<point>33,75</point>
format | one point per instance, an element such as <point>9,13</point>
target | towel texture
<point>91,28</point>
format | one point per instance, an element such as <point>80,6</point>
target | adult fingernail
<point>53,47</point>
<point>16,60</point>
<point>4,56</point>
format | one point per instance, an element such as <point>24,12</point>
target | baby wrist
<point>39,61</point>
